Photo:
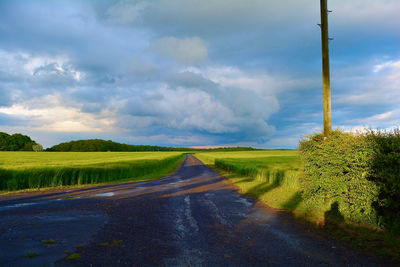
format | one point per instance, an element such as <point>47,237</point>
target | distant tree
<point>37,147</point>
<point>28,146</point>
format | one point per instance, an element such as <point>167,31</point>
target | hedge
<point>360,172</point>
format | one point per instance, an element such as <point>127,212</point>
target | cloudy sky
<point>194,72</point>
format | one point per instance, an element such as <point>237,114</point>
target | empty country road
<point>193,217</point>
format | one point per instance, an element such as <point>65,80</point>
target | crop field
<point>272,176</point>
<point>23,170</point>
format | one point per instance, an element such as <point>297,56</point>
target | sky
<point>195,72</point>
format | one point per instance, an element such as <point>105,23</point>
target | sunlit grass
<point>208,157</point>
<point>272,176</point>
<point>25,170</point>
<point>29,160</point>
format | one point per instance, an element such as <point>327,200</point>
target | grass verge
<point>271,176</point>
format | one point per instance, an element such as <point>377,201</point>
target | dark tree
<point>16,142</point>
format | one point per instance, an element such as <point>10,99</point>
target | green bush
<point>337,170</point>
<point>359,171</point>
<point>386,175</point>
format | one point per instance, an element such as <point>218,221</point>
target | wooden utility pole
<point>325,69</point>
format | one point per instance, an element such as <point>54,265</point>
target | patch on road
<point>24,240</point>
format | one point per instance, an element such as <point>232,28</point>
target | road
<point>193,217</point>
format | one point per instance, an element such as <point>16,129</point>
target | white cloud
<point>37,67</point>
<point>53,115</point>
<point>382,66</point>
<point>237,105</point>
<point>187,51</point>
<point>254,95</point>
<point>183,109</point>
<point>393,73</point>
<point>383,120</point>
<point>382,116</point>
<point>230,76</point>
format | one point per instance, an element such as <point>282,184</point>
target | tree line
<point>20,142</point>
<point>93,145</point>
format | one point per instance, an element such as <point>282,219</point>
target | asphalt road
<point>194,217</point>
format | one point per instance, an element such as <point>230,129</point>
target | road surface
<point>193,217</point>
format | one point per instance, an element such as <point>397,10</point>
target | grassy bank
<point>275,177</point>
<point>272,176</point>
<point>26,170</point>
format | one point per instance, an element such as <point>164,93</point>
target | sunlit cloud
<point>55,117</point>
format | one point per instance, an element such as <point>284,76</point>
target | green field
<point>25,170</point>
<point>271,175</point>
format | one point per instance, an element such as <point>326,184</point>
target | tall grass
<point>59,175</point>
<point>29,160</point>
<point>272,176</point>
<point>209,157</point>
<point>277,170</point>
